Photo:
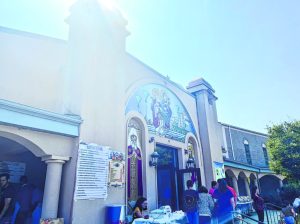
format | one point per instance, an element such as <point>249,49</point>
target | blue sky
<point>248,51</point>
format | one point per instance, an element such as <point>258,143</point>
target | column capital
<point>55,159</point>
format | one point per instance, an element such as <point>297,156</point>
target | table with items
<point>163,218</point>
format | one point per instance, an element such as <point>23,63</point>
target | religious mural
<point>135,160</point>
<point>164,113</point>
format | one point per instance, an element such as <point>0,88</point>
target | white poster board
<point>92,172</point>
<point>14,169</point>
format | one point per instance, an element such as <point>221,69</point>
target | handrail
<point>247,217</point>
<point>272,212</point>
<point>273,205</point>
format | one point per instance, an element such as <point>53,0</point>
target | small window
<point>264,148</point>
<point>247,151</point>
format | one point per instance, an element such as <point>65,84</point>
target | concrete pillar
<point>235,185</point>
<point>209,127</point>
<point>247,187</point>
<point>52,188</point>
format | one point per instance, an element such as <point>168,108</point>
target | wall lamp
<point>154,158</point>
<point>151,139</point>
<point>190,163</point>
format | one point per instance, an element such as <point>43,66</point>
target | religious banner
<point>14,169</point>
<point>116,176</point>
<point>92,172</point>
<point>219,170</point>
<point>135,163</point>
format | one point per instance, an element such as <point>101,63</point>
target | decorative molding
<point>19,115</point>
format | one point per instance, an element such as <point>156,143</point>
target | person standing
<point>258,203</point>
<point>233,193</point>
<point>24,198</point>
<point>214,186</point>
<point>205,206</point>
<point>190,203</point>
<point>224,202</point>
<point>288,213</point>
<point>7,199</point>
<point>296,204</point>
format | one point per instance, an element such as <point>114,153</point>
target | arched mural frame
<point>199,154</point>
<point>135,117</point>
<point>165,124</point>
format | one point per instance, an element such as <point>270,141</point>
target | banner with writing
<point>92,172</point>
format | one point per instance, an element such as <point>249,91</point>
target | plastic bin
<point>115,214</point>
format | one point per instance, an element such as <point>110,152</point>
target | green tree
<point>284,149</point>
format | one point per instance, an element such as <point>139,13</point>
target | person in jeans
<point>258,203</point>
<point>205,206</point>
<point>190,203</point>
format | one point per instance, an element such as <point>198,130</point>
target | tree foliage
<point>284,149</point>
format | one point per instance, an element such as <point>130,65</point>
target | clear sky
<point>249,51</point>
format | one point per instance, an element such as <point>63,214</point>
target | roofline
<point>239,165</point>
<point>161,76</point>
<point>243,129</point>
<point>29,34</point>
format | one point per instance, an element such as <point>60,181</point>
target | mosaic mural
<point>164,113</point>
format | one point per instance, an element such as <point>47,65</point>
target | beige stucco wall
<point>92,76</point>
<point>31,69</point>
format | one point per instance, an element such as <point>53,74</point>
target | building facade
<point>57,94</point>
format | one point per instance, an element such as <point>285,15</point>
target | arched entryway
<point>269,187</point>
<point>253,181</point>
<point>232,180</point>
<point>42,168</point>
<point>17,160</point>
<point>243,185</point>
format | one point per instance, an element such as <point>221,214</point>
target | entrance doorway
<point>17,160</point>
<point>166,176</point>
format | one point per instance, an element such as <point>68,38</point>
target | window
<point>247,151</point>
<point>264,148</point>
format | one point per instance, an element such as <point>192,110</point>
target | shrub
<point>290,191</point>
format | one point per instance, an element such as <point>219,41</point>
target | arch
<point>243,184</point>
<point>163,111</point>
<point>36,150</point>
<point>253,180</point>
<point>230,178</point>
<point>191,140</point>
<point>269,187</point>
<point>136,158</point>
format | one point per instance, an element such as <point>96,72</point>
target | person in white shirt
<point>296,204</point>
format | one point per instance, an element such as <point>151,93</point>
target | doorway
<point>166,176</point>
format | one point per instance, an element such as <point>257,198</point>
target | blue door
<point>166,176</point>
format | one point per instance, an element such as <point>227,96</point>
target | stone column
<point>247,187</point>
<point>52,187</point>
<point>235,185</point>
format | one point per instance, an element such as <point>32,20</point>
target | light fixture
<point>190,163</point>
<point>154,158</point>
<point>151,139</point>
